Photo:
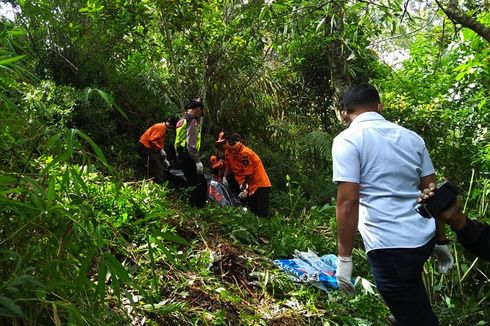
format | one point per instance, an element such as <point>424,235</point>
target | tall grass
<point>63,258</point>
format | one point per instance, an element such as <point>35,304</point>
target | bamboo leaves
<point>9,308</point>
<point>108,99</point>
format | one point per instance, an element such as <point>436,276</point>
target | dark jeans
<point>199,194</point>
<point>151,164</point>
<point>398,277</point>
<point>259,202</point>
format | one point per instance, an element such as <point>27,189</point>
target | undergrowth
<point>81,248</point>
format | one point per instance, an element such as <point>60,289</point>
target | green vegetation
<point>84,242</point>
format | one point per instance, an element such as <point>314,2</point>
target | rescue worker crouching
<point>151,150</point>
<point>217,160</point>
<point>219,165</point>
<point>250,174</point>
<point>187,146</point>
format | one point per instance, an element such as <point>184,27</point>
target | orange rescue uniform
<point>247,168</point>
<point>154,137</point>
<point>218,163</point>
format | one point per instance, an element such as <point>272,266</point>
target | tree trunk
<point>173,59</point>
<point>339,77</point>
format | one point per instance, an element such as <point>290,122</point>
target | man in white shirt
<point>380,169</point>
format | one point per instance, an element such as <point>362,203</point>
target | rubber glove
<point>344,275</point>
<point>243,194</point>
<point>445,260</point>
<point>166,163</point>
<point>225,182</point>
<point>199,168</point>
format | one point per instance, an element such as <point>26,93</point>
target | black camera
<point>445,195</point>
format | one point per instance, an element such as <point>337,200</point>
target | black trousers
<point>199,193</point>
<point>398,276</point>
<point>259,202</point>
<point>233,185</point>
<point>151,164</point>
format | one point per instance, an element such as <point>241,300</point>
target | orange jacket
<point>154,137</point>
<point>247,168</point>
<point>218,164</point>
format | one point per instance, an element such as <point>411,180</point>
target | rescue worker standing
<point>250,174</point>
<point>151,149</point>
<point>187,145</point>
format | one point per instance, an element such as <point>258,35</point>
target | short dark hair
<point>172,120</point>
<point>360,95</point>
<point>194,103</point>
<point>233,137</point>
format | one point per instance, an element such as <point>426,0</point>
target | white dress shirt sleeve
<point>346,161</point>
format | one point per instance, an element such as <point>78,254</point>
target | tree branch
<point>453,13</point>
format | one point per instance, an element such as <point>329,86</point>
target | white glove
<point>163,154</point>
<point>166,163</point>
<point>344,275</point>
<point>225,182</point>
<point>445,260</point>
<point>243,194</point>
<point>199,168</point>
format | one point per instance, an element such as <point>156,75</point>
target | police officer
<point>187,146</point>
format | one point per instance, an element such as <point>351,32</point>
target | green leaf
<point>51,190</point>
<point>174,238</point>
<point>6,180</point>
<point>154,215</point>
<point>96,149</point>
<point>82,274</point>
<point>11,59</point>
<point>115,286</point>
<point>100,290</point>
<point>80,182</point>
<point>108,99</point>
<point>36,195</point>
<point>71,141</point>
<point>99,237</point>
<point>17,190</point>
<point>111,102</point>
<point>117,268</point>
<point>74,315</point>
<point>152,261</point>
<point>12,307</point>
<point>163,248</point>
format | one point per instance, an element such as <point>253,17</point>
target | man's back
<point>387,161</point>
<point>154,137</point>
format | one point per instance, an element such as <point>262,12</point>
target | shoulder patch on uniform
<point>245,160</point>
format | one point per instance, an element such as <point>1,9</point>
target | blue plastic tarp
<point>307,267</point>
